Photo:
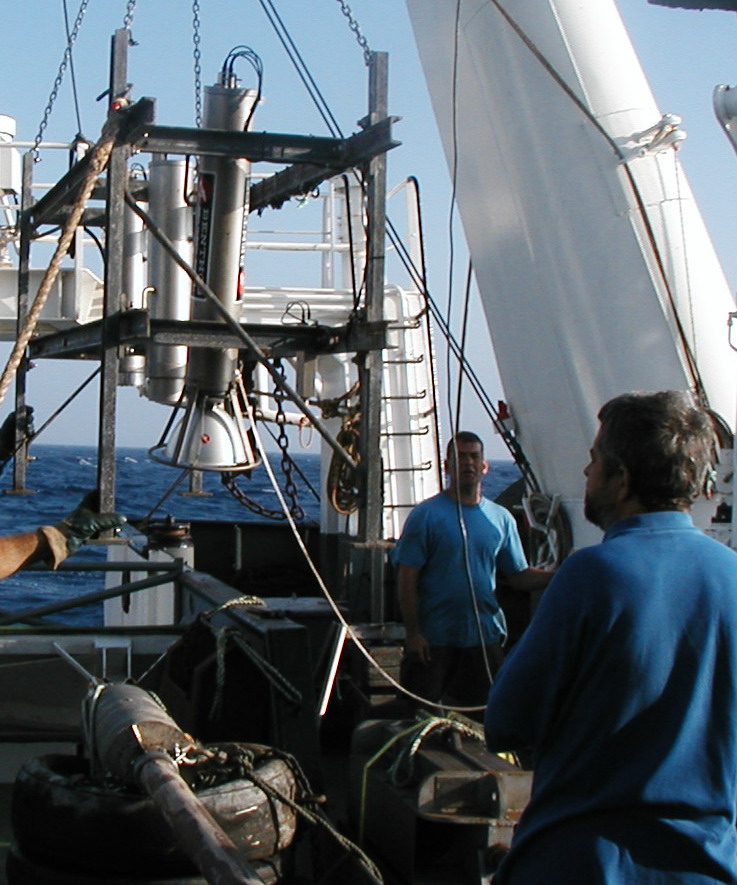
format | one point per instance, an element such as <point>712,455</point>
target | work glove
<point>83,523</point>
<point>7,433</point>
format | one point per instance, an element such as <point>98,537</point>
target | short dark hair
<point>463,436</point>
<point>666,444</point>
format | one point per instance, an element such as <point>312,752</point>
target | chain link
<point>282,440</point>
<point>291,492</point>
<point>356,28</point>
<point>197,56</point>
<point>59,79</point>
<point>129,10</point>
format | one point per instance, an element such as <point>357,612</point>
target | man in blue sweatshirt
<point>625,683</point>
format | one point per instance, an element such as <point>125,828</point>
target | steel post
<point>371,367</point>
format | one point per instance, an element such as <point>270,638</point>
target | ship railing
<point>159,573</point>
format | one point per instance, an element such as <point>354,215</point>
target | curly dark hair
<point>666,444</point>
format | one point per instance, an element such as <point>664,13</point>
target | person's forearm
<point>530,579</point>
<point>17,551</point>
<point>408,604</point>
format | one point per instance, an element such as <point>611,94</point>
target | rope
<point>300,66</point>
<point>364,775</point>
<point>424,730</point>
<point>223,634</point>
<point>351,633</point>
<point>316,817</point>
<point>420,730</point>
<point>99,156</point>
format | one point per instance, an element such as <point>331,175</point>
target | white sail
<point>547,98</point>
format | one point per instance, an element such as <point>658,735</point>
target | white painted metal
<point>409,434</point>
<point>75,297</point>
<point>574,298</point>
<point>10,165</point>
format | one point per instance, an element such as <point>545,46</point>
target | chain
<point>128,20</point>
<point>197,56</point>
<point>356,28</point>
<point>282,440</point>
<point>224,763</point>
<point>228,479</point>
<point>59,79</point>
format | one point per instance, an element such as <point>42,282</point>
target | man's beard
<point>596,512</point>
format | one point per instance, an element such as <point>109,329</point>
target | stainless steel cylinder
<point>169,295</point>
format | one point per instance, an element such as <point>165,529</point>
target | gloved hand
<point>85,522</point>
<point>7,433</point>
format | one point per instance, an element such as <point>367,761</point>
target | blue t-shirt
<point>625,686</point>
<point>432,542</point>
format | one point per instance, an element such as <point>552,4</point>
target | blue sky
<point>684,53</point>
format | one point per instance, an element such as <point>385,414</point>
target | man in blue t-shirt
<point>625,682</point>
<point>447,558</point>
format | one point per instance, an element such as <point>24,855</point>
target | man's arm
<point>530,687</point>
<point>18,551</point>
<point>416,644</point>
<point>529,579</point>
<point>52,544</point>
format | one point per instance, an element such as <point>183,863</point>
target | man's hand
<point>7,433</point>
<point>416,646</point>
<point>85,523</point>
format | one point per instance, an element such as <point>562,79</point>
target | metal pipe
<point>194,828</point>
<point>87,598</point>
<point>131,736</point>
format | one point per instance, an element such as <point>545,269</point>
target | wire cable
<point>301,68</point>
<point>455,417</point>
<point>72,75</point>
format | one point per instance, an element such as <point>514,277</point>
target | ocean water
<point>60,476</point>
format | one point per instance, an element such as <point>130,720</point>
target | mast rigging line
<point>72,74</point>
<point>298,61</point>
<point>300,66</point>
<point>454,418</point>
<point>61,408</point>
<point>334,128</point>
<point>636,192</point>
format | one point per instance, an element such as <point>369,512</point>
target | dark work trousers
<point>454,676</point>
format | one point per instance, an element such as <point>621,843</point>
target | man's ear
<point>624,490</point>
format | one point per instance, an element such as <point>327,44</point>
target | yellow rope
<point>100,154</point>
